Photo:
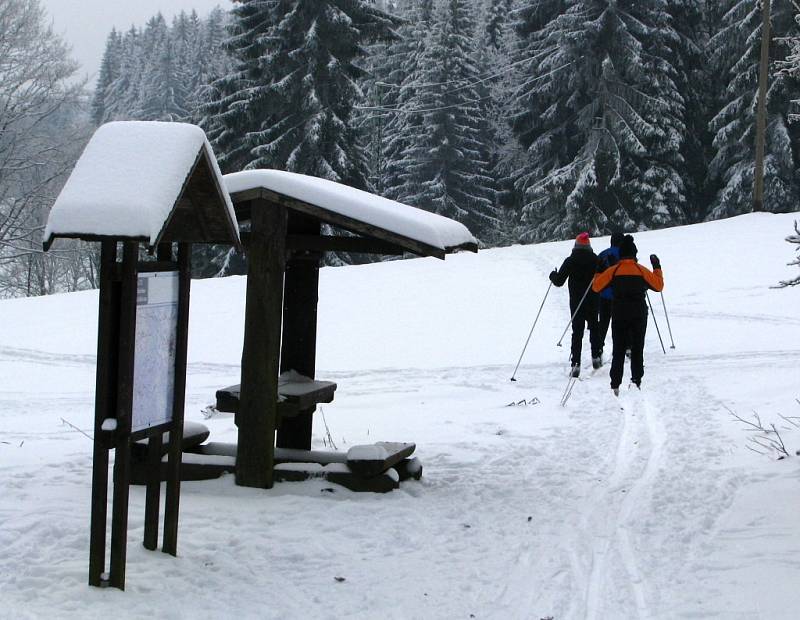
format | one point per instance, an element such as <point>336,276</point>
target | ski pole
<point>653,314</point>
<point>669,327</point>
<point>531,332</point>
<point>574,314</point>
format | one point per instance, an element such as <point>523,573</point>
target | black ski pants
<point>586,317</point>
<point>604,320</point>
<point>628,334</point>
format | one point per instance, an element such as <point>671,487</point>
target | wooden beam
<point>330,243</point>
<point>341,221</point>
<point>266,261</point>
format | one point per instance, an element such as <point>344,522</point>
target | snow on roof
<point>128,179</point>
<point>401,219</point>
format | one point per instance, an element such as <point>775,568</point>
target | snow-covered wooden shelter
<point>156,185</point>
<point>284,215</point>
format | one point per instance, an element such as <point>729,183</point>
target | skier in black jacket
<point>579,268</point>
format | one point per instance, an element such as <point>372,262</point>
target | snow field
<point>658,510</point>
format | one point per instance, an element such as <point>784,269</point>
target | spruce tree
<point>698,86</point>
<point>404,78</point>
<point>600,116</point>
<point>109,71</point>
<point>736,51</point>
<point>444,161</point>
<point>496,21</point>
<point>289,102</point>
<point>164,86</point>
<point>504,153</point>
<point>122,95</point>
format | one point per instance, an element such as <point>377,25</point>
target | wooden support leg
<point>119,514</point>
<point>172,500</point>
<point>153,496</point>
<point>97,536</point>
<point>295,432</point>
<point>299,345</point>
<point>124,405</point>
<point>105,407</point>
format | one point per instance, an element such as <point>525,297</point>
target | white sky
<point>85,24</point>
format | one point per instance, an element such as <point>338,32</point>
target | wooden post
<point>761,110</point>
<point>299,347</point>
<point>105,405</point>
<point>122,453</point>
<point>172,500</point>
<point>266,260</point>
<point>153,493</point>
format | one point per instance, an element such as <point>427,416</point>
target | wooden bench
<point>294,397</point>
<point>376,468</point>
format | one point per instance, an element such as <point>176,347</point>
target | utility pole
<point>761,111</point>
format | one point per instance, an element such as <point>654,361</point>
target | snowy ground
<point>659,510</point>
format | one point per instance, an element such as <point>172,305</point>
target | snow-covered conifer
<point>404,78</point>
<point>109,71</point>
<point>736,51</point>
<point>444,164</point>
<point>599,115</point>
<point>288,104</point>
<point>122,95</point>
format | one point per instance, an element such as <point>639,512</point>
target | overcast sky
<point>85,24</point>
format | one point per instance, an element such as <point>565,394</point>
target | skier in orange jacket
<point>630,282</point>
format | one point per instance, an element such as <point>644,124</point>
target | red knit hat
<point>582,239</point>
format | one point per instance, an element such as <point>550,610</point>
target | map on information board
<point>154,362</point>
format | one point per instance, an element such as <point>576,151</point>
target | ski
<point>568,390</point>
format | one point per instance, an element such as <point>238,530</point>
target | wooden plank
<point>194,434</point>
<point>257,417</point>
<point>228,399</point>
<point>104,407</point>
<point>371,460</point>
<point>153,494</point>
<point>339,474</point>
<point>200,201</point>
<point>193,467</point>
<point>127,338</point>
<point>173,494</point>
<point>99,238</point>
<point>293,394</point>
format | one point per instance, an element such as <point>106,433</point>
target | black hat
<point>616,239</point>
<point>627,249</point>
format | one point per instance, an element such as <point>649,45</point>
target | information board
<point>156,335</point>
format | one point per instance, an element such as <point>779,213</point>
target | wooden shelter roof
<point>145,181</point>
<point>395,225</point>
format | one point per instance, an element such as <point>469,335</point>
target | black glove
<point>600,268</point>
<point>553,276</point>
<point>655,262</point>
